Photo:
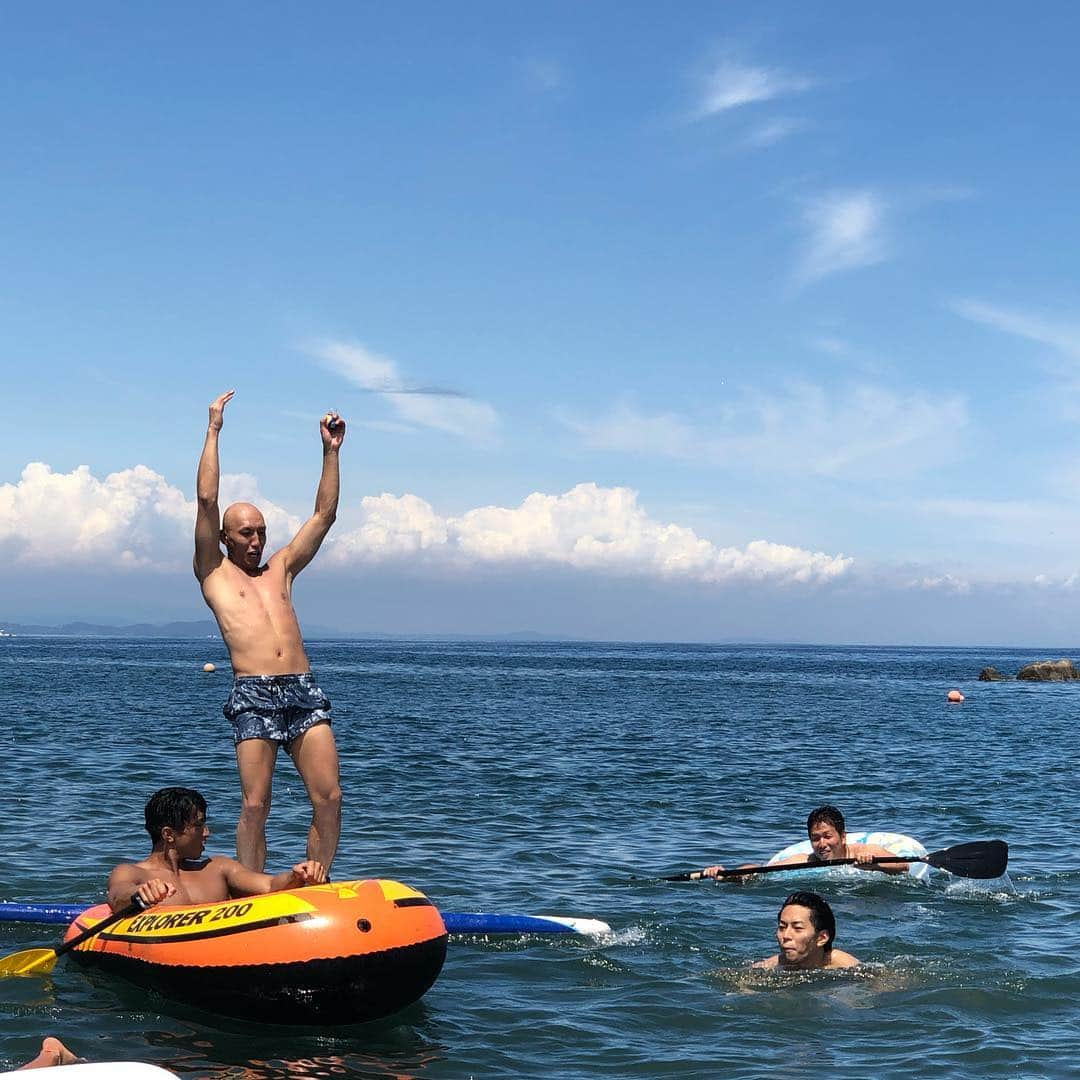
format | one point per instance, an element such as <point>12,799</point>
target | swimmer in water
<point>805,932</point>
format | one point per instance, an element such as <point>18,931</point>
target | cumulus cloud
<point>859,430</point>
<point>133,519</point>
<point>434,407</point>
<point>844,231</point>
<point>588,528</point>
<point>732,85</point>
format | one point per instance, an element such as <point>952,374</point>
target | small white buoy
<point>209,667</point>
<point>955,697</point>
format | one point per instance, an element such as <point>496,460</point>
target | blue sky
<point>732,321</point>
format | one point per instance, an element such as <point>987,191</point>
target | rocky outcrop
<point>991,674</point>
<point>1049,671</point>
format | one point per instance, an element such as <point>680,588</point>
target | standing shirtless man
<point>275,700</point>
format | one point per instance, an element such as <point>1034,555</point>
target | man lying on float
<point>175,869</point>
<point>829,842</point>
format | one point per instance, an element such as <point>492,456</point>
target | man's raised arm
<point>208,515</point>
<point>301,550</point>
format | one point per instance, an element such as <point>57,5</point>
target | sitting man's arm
<point>303,546</point>
<point>128,880</point>
<point>208,555</point>
<point>245,882</point>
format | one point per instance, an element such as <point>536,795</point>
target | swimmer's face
<point>801,946</point>
<point>827,843</point>
<point>244,534</point>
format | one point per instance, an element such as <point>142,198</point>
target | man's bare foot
<point>53,1053</point>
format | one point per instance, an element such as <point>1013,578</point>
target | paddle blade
<point>980,859</point>
<point>29,962</point>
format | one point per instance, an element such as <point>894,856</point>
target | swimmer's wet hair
<point>821,915</point>
<point>828,815</point>
<point>175,807</point>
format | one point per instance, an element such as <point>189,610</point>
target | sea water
<point>546,778</point>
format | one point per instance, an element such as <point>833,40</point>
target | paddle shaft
<point>746,871</point>
<point>983,859</point>
<point>133,908</point>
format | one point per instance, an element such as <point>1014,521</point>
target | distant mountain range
<point>206,628</point>
<point>203,628</point>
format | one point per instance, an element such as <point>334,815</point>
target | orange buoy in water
<point>955,697</point>
<point>209,667</point>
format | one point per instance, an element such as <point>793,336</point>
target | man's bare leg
<point>53,1053</point>
<point>316,758</point>
<point>255,759</point>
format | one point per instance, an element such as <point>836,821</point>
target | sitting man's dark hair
<point>821,915</point>
<point>175,807</point>
<point>828,815</point>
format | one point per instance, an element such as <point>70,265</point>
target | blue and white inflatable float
<point>899,844</point>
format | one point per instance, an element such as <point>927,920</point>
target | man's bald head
<point>243,532</point>
<point>241,513</point>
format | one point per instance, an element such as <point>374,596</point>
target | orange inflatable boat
<point>328,954</point>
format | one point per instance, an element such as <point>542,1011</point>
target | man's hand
<point>154,891</point>
<point>309,872</point>
<point>217,409</point>
<point>332,430</point>
<point>714,873</point>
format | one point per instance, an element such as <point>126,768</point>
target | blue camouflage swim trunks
<point>275,707</point>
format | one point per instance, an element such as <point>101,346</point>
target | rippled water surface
<point>541,778</point>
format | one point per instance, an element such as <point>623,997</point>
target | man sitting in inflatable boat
<point>828,839</point>
<point>176,870</point>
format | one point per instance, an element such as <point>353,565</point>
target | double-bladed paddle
<point>42,961</point>
<point>983,859</point>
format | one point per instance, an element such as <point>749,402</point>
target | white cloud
<point>132,519</point>
<point>1003,511</point>
<point>770,133</point>
<point>860,430</point>
<point>1062,337</point>
<point>431,407</point>
<point>833,346</point>
<point>946,583</point>
<point>459,416</point>
<point>625,428</point>
<point>732,85</point>
<point>135,519</point>
<point>845,230</point>
<point>544,74</point>
<point>588,528</point>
